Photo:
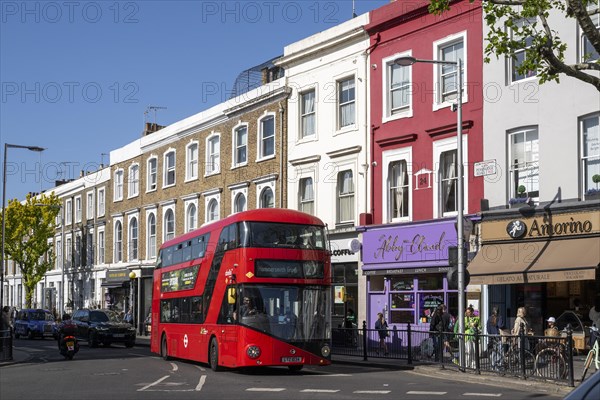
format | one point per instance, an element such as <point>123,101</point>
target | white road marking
<point>156,382</point>
<point>200,368</point>
<point>372,391</point>
<point>483,394</point>
<point>319,391</point>
<point>426,393</point>
<point>329,376</point>
<point>201,383</point>
<point>265,389</point>
<point>175,367</point>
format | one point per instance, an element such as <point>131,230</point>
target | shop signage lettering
<point>342,252</point>
<point>562,228</point>
<point>391,245</point>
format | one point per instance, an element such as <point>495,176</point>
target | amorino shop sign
<point>544,226</point>
<point>409,246</point>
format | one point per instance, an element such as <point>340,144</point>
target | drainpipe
<point>281,175</point>
<point>365,165</point>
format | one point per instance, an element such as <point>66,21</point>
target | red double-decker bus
<point>252,289</point>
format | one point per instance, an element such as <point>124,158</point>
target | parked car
<point>35,322</point>
<point>103,326</point>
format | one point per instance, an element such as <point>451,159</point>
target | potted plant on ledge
<point>521,200</point>
<point>593,194</point>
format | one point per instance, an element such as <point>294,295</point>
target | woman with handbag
<point>382,330</point>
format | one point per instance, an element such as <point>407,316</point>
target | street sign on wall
<point>485,168</point>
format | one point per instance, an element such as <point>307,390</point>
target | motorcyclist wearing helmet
<point>66,328</point>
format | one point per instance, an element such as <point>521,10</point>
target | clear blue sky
<point>76,77</point>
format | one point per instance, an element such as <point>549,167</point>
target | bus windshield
<point>292,313</point>
<point>269,234</point>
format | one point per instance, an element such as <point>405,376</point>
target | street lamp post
<point>6,147</point>
<point>406,61</point>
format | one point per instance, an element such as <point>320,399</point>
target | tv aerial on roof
<point>152,108</point>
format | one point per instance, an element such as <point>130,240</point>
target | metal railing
<point>523,356</point>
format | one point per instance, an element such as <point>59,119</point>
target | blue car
<point>35,323</point>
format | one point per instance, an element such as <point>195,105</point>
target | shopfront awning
<point>535,262</point>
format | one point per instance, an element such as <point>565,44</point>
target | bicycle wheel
<point>549,363</point>
<point>515,364</point>
<point>587,363</point>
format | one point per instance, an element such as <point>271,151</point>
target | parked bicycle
<point>594,353</point>
<point>550,362</point>
<point>513,360</point>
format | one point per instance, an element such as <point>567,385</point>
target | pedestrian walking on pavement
<point>382,330</point>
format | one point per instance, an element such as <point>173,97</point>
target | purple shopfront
<point>406,267</point>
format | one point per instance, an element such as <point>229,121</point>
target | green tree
<point>29,227</point>
<point>545,50</point>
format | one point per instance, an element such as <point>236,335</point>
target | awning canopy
<point>533,262</point>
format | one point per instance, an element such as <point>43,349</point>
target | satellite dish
<point>354,245</point>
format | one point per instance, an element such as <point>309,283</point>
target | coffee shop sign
<point>392,244</point>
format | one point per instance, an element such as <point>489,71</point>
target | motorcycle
<point>68,346</point>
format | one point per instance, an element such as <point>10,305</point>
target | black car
<point>103,326</point>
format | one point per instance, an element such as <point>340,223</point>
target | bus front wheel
<point>213,355</point>
<point>164,353</point>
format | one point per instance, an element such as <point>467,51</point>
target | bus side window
<point>197,310</point>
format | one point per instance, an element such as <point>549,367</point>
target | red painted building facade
<point>414,148</point>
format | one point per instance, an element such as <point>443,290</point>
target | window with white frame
<point>588,52</point>
<point>78,209</point>
<point>447,74</point>
<point>398,96</point>
<point>240,145</point>
<point>118,242</point>
<point>133,239</point>
<point>169,169</point>
<point>398,190</point>
<point>266,140</point>
<point>519,56</point>
<point>345,195</point>
<point>307,114</point>
<point>590,152</point>
<point>118,195</point>
<point>306,199</point>
<point>89,247</point>
<point>151,177</point>
<point>212,210</point>
<point>134,180</point>
<point>213,154</point>
<point>239,203</point>
<point>101,247</point>
<point>68,212</point>
<point>59,252</point>
<point>523,162</point>
<point>151,236</point>
<point>169,225</point>
<point>191,217</point>
<point>346,102</point>
<point>448,182</point>
<point>69,252</point>
<point>101,202</point>
<point>191,169</point>
<point>267,200</point>
<point>89,205</point>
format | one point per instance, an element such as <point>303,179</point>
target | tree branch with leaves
<point>29,227</point>
<point>544,50</point>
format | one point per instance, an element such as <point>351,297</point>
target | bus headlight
<point>253,352</point>
<point>326,350</point>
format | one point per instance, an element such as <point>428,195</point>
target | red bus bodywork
<point>198,312</point>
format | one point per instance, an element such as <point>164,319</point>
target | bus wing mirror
<point>231,295</point>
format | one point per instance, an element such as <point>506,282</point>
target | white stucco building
<point>328,144</point>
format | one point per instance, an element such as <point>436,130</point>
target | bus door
<point>228,328</point>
